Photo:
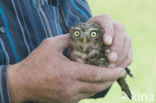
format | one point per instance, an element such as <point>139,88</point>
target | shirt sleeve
<point>4,93</point>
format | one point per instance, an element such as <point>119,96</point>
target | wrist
<point>15,84</point>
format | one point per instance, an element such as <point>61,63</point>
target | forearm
<point>14,85</point>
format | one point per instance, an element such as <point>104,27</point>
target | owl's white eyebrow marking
<point>93,29</point>
<point>77,28</point>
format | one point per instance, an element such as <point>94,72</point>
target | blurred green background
<point>139,19</point>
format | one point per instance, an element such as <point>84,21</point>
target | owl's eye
<point>76,33</point>
<point>93,34</point>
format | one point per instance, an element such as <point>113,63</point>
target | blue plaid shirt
<point>24,24</point>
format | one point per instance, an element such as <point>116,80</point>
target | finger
<point>112,57</point>
<point>117,42</point>
<point>125,50</point>
<point>91,73</point>
<point>112,65</point>
<point>128,60</point>
<point>74,57</point>
<point>95,87</point>
<point>71,55</point>
<point>80,96</point>
<point>106,22</point>
<point>61,42</point>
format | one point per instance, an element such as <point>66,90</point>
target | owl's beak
<point>84,41</point>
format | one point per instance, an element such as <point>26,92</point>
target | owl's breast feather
<point>80,54</point>
<point>93,52</point>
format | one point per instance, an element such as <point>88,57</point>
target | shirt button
<point>2,30</point>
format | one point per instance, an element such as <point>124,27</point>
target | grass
<point>139,19</point>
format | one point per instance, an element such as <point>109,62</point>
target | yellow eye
<point>93,34</point>
<point>76,33</point>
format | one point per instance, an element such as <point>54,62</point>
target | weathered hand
<point>115,36</point>
<point>47,76</point>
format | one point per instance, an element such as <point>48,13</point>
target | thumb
<point>61,42</point>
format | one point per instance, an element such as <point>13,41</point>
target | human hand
<point>117,39</point>
<point>46,76</point>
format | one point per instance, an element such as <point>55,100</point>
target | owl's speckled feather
<point>94,51</point>
<point>86,41</point>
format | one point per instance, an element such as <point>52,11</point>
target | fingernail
<point>112,65</point>
<point>113,56</point>
<point>108,39</point>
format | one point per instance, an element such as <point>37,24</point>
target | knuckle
<point>119,27</point>
<point>105,16</point>
<point>129,39</point>
<point>94,75</point>
<point>129,59</point>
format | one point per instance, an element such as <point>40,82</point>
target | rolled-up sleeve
<point>4,92</point>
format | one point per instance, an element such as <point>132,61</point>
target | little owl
<point>86,41</point>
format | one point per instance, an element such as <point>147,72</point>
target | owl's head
<point>86,35</point>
